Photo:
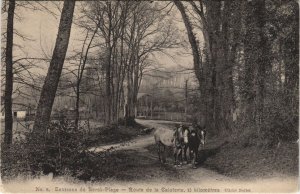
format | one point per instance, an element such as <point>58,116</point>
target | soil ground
<point>220,161</point>
<point>133,164</point>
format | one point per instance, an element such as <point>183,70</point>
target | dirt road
<point>141,143</point>
<point>159,174</point>
<point>134,167</point>
<point>137,144</point>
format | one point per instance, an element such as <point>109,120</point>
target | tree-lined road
<point>165,176</point>
<point>196,178</point>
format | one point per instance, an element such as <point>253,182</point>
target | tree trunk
<point>256,62</point>
<point>77,104</point>
<point>226,73</point>
<point>291,63</point>
<point>48,92</point>
<point>199,72</point>
<point>263,64</point>
<point>214,64</point>
<point>249,43</point>
<point>9,74</point>
<point>80,71</point>
<point>226,60</point>
<point>191,37</point>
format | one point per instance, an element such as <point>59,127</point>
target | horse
<point>165,137</point>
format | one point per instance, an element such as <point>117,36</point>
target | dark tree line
<point>247,67</point>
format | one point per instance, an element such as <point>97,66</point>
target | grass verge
<point>244,160</point>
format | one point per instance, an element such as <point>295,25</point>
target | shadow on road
<point>204,154</point>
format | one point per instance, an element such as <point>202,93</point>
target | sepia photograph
<point>123,96</point>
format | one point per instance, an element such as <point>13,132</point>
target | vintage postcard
<point>150,96</point>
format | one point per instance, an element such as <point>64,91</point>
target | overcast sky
<point>41,27</point>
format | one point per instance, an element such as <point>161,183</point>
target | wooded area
<point>243,67</point>
<point>245,63</point>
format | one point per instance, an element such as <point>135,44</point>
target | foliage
<point>14,160</point>
<point>55,153</point>
<point>248,76</point>
<point>251,161</point>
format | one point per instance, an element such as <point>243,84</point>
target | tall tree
<point>291,58</point>
<point>80,71</point>
<point>148,34</point>
<point>48,92</point>
<point>197,59</point>
<point>192,39</point>
<point>257,60</point>
<point>9,73</point>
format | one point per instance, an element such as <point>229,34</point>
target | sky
<point>41,28</point>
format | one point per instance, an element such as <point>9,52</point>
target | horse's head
<point>178,133</point>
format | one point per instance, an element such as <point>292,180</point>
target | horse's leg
<point>175,155</point>
<point>196,154</point>
<point>158,150</point>
<point>184,152</point>
<point>190,154</point>
<point>179,156</point>
<point>194,158</point>
<point>164,154</point>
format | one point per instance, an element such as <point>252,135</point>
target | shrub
<point>56,152</point>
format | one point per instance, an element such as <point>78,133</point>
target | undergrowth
<point>250,155</point>
<point>62,151</point>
